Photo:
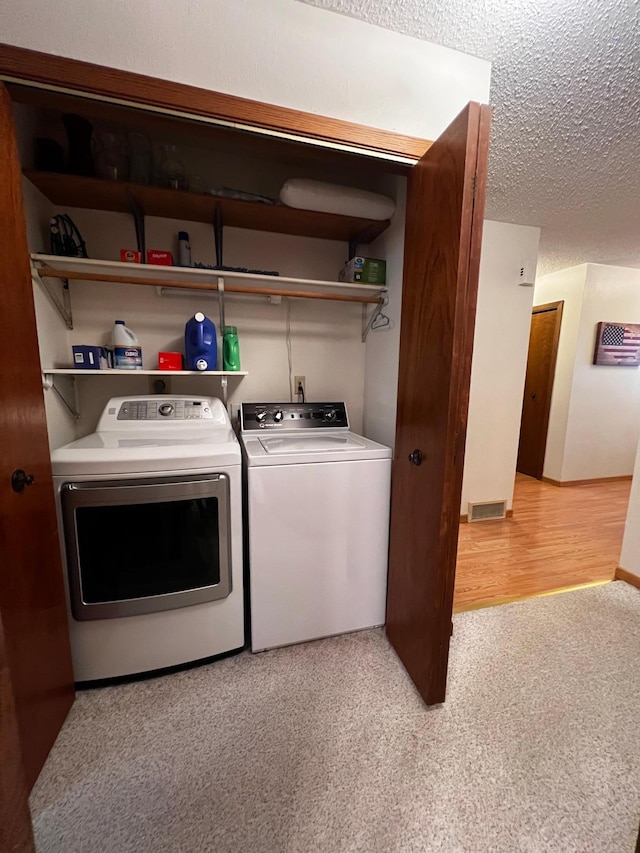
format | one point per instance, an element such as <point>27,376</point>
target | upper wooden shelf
<point>98,194</point>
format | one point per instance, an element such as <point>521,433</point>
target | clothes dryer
<point>150,506</point>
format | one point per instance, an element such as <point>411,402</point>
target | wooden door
<point>445,206</point>
<point>541,368</point>
<point>15,821</point>
<point>32,598</point>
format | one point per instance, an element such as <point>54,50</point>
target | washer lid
<point>316,443</point>
<point>146,451</point>
<point>312,447</point>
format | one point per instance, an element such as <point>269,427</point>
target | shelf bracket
<point>367,323</point>
<point>218,228</point>
<point>138,218</point>
<point>223,379</point>
<point>221,303</point>
<point>364,236</point>
<point>68,395</point>
<point>62,303</point>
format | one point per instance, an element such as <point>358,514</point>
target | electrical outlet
<point>159,385</point>
<point>297,382</point>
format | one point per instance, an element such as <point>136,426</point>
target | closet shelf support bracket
<point>220,284</point>
<point>67,390</point>
<point>138,218</point>
<point>365,236</point>
<point>61,300</point>
<point>223,379</point>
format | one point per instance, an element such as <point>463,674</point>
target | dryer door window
<point>144,546</point>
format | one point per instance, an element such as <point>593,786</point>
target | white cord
<point>289,359</point>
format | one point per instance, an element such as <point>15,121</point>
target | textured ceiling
<point>565,148</point>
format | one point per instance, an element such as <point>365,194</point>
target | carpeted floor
<point>326,746</point>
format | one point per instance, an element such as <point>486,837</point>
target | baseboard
<point>512,599</point>
<point>586,482</point>
<point>628,577</point>
<point>464,519</point>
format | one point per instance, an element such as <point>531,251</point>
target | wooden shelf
<point>97,194</point>
<point>194,278</point>
<point>72,371</point>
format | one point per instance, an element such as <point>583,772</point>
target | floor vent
<point>487,510</point>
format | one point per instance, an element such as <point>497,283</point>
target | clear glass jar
<point>195,184</point>
<point>111,156</point>
<point>171,172</point>
<point>141,155</point>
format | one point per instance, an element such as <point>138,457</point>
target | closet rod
<point>47,272</point>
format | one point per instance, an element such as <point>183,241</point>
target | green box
<point>364,271</point>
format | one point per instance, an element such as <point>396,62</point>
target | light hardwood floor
<point>557,538</point>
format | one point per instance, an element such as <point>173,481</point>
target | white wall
<point>604,415</point>
<point>499,364</point>
<point>630,556</point>
<point>52,331</point>
<point>595,413</point>
<point>278,51</point>
<point>383,345</point>
<point>567,286</point>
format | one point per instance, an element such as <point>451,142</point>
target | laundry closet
<point>405,384</point>
<point>149,502</point>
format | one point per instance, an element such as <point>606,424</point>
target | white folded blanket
<point>331,198</point>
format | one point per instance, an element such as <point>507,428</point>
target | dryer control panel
<point>293,416</point>
<point>164,408</point>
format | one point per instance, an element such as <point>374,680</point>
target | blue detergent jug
<point>200,344</point>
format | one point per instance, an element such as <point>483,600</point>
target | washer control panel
<point>293,416</point>
<point>164,409</point>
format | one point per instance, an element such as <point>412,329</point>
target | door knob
<point>19,480</point>
<point>533,396</point>
<point>416,457</point>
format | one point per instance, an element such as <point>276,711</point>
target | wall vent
<point>487,510</point>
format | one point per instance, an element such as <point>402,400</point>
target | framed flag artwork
<point>617,344</point>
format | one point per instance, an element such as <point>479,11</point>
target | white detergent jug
<point>127,352</point>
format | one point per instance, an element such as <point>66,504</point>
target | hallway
<point>557,538</point>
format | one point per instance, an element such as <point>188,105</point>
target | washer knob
<point>278,416</point>
<point>261,417</point>
<point>165,409</point>
<point>330,415</point>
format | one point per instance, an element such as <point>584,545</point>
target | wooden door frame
<point>544,309</point>
<point>85,78</point>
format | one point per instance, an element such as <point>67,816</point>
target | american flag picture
<point>618,344</point>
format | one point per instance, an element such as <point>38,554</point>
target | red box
<point>169,361</point>
<point>130,256</point>
<point>163,259</point>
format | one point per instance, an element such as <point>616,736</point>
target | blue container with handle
<point>200,343</point>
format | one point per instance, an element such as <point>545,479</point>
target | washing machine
<point>150,508</point>
<point>318,523</point>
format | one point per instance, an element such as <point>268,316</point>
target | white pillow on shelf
<point>330,198</point>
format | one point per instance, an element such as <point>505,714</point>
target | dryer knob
<point>165,409</point>
<point>261,417</point>
<point>278,416</point>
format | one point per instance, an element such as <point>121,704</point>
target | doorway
<point>538,386</point>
